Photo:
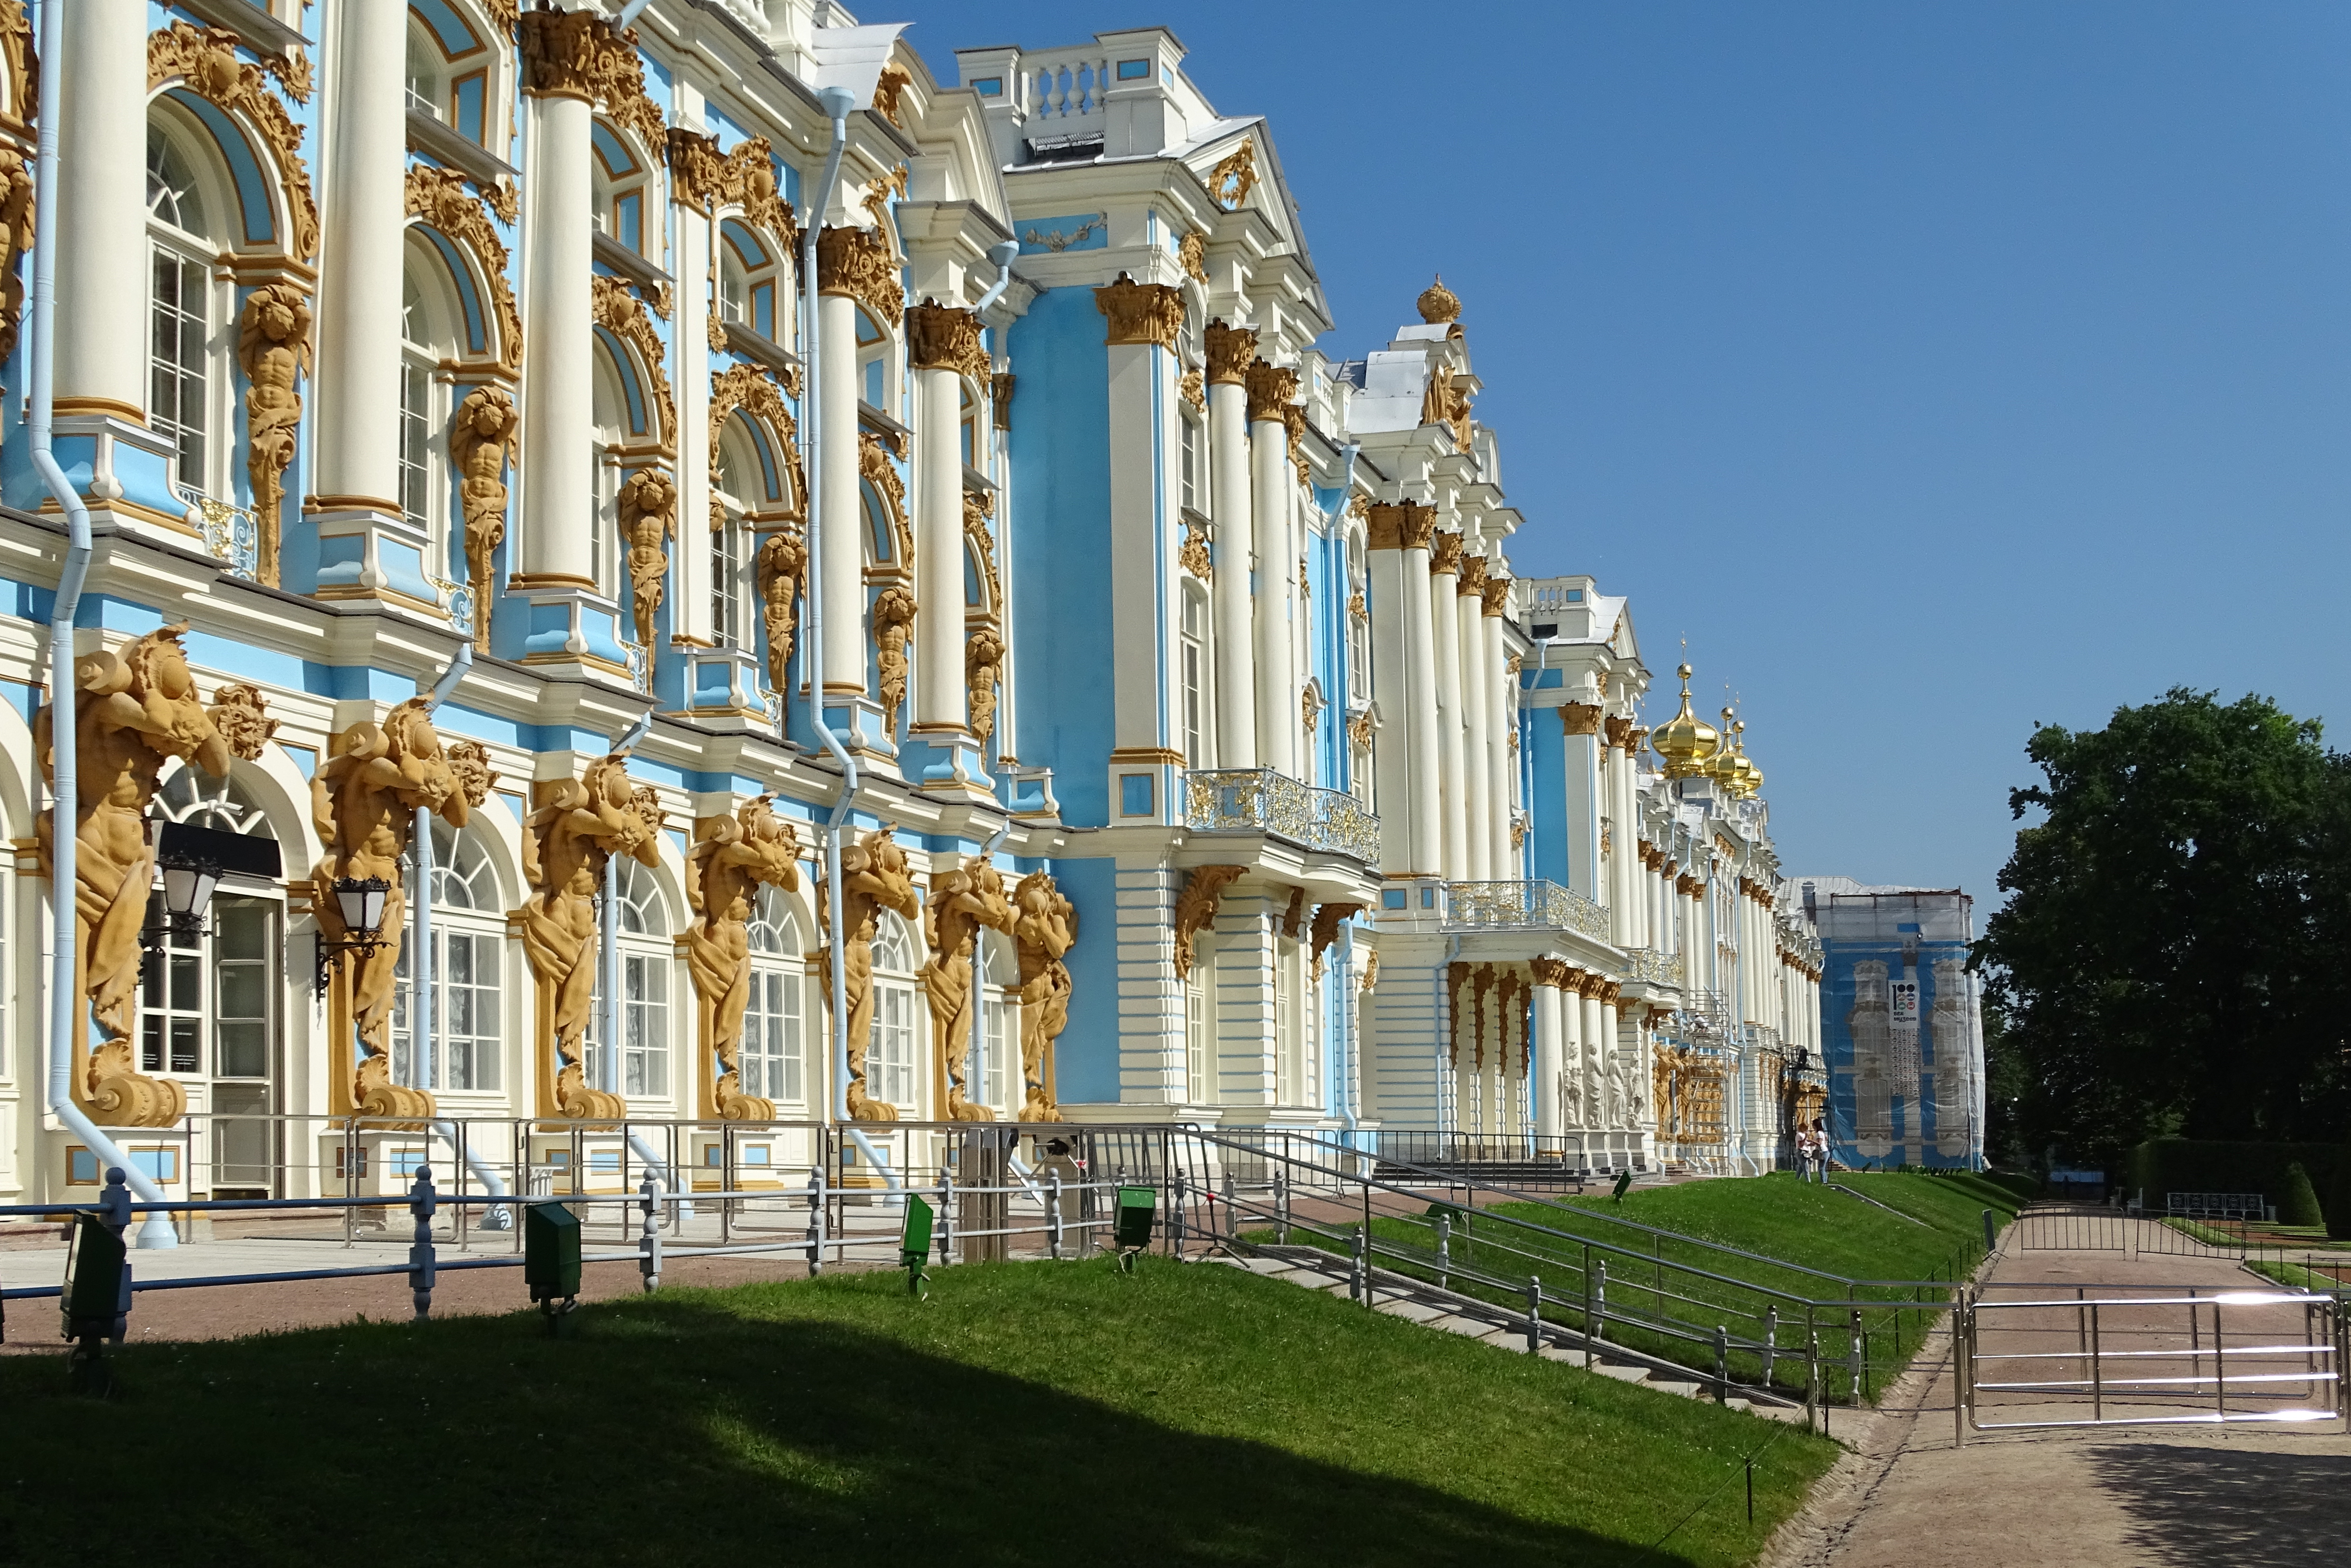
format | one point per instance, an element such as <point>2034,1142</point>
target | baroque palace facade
<point>526,485</point>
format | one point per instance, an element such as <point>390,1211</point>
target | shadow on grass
<point>674,1431</point>
<point>2199,1505</point>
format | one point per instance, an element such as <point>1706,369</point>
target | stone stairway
<point>1415,1301</point>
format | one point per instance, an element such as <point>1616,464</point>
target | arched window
<point>623,203</point>
<point>890,1071</point>
<point>749,292</point>
<point>449,65</point>
<point>773,1064</point>
<point>428,72</point>
<point>644,963</point>
<point>876,365</point>
<point>428,339</point>
<point>604,482</point>
<point>468,946</point>
<point>1195,675</point>
<point>191,795</point>
<point>1359,627</point>
<point>187,383</point>
<point>730,544</point>
<point>1200,1020</point>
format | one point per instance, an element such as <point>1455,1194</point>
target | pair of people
<point>1812,1152</point>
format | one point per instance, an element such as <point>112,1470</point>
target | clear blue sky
<point>1935,369</point>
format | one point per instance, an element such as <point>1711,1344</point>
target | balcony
<point>1259,800</point>
<point>1658,969</point>
<point>1505,904</point>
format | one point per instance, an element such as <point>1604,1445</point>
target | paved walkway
<point>2248,1496</point>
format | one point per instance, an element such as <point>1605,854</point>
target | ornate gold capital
<point>943,338</point>
<point>1473,575</point>
<point>1271,390</point>
<point>1579,718</point>
<point>1497,596</point>
<point>1141,313</point>
<point>1230,350</point>
<point>1445,550</point>
<point>1398,525</point>
<point>1552,972</point>
<point>858,264</point>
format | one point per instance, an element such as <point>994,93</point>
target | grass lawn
<point>1928,1228</point>
<point>1026,1412</point>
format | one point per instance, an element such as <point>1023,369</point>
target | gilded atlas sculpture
<point>648,519</point>
<point>873,877</point>
<point>273,346</point>
<point>481,443</point>
<point>782,562</point>
<point>962,901</point>
<point>136,707</point>
<point>733,857</point>
<point>1044,927</point>
<point>578,826</point>
<point>363,803</point>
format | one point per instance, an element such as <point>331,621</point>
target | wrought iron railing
<point>230,533</point>
<point>1258,800</point>
<point>1524,904</point>
<point>1658,969</point>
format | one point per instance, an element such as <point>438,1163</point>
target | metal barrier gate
<point>2083,1355</point>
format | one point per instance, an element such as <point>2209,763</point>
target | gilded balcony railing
<point>1658,969</point>
<point>1524,904</point>
<point>1258,800</point>
<point>230,533</point>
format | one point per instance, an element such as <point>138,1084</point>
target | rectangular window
<point>1192,463</point>
<point>763,308</point>
<point>771,1038</point>
<point>628,220</point>
<point>970,428</point>
<point>874,382</point>
<point>893,1044</point>
<point>466,989</point>
<point>1135,70</point>
<point>989,87</point>
<point>1003,1050</point>
<point>644,1031</point>
<point>1195,751</point>
<point>465,98</point>
<point>1195,1033</point>
<point>177,388</point>
<point>415,438</point>
<point>241,988</point>
<point>727,580</point>
<point>171,997</point>
<point>1285,1022</point>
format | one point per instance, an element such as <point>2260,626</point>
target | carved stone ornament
<point>1438,304</point>
<point>1192,256</point>
<point>648,508</point>
<point>578,54</point>
<point>241,713</point>
<point>983,667</point>
<point>875,467</point>
<point>1193,391</point>
<point>1044,929</point>
<point>1398,525</point>
<point>205,61</point>
<point>858,262</point>
<point>1550,972</point>
<point>962,902</point>
<point>1293,418</point>
<point>1194,554</point>
<point>1495,596</point>
<point>779,572</point>
<point>1141,313</point>
<point>999,393</point>
<point>1359,730</point>
<point>1294,914</point>
<point>1230,182</point>
<point>577,826</point>
<point>364,804</point>
<point>894,622</point>
<point>706,180</point>
<point>622,314</point>
<point>1371,971</point>
<point>1325,928</point>
<point>438,197</point>
<point>1230,351</point>
<point>978,505</point>
<point>1445,552</point>
<point>733,857</point>
<point>753,390</point>
<point>943,338</point>
<point>1310,709</point>
<point>878,192</point>
<point>894,80</point>
<point>1473,576</point>
<point>136,708</point>
<point>1444,403</point>
<point>1518,825</point>
<point>16,239</point>
<point>873,877</point>
<point>482,441</point>
<point>1617,728</point>
<point>273,346</point>
<point>23,66</point>
<point>1195,906</point>
<point>1271,390</point>
<point>469,763</point>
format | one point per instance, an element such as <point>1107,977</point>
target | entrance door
<point>208,1010</point>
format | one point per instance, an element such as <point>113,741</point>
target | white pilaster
<point>1277,567</point>
<point>1229,495</point>
<point>558,402</point>
<point>1444,636</point>
<point>1549,1122</point>
<point>938,695</point>
<point>356,430</point>
<point>840,513</point>
<point>1477,789</point>
<point>101,357</point>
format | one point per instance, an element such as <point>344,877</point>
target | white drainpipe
<point>65,997</point>
<point>838,101</point>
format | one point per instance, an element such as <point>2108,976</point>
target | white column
<point>356,431</point>
<point>689,571</point>
<point>1277,566</point>
<point>1595,1058</point>
<point>1476,788</point>
<point>1550,1119</point>
<point>558,398</point>
<point>1445,636</point>
<point>938,552</point>
<point>1229,495</point>
<point>101,358</point>
<point>1501,705</point>
<point>1608,1047</point>
<point>838,511</point>
<point>1403,678</point>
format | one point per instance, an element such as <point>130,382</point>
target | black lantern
<point>359,899</point>
<point>188,883</point>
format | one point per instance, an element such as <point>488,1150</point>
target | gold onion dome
<point>1746,778</point>
<point>1439,304</point>
<point>1723,766</point>
<point>1684,742</point>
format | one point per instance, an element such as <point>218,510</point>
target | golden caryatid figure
<point>273,346</point>
<point>962,901</point>
<point>733,857</point>
<point>481,443</point>
<point>1045,927</point>
<point>364,804</point>
<point>578,827</point>
<point>134,708</point>
<point>873,877</point>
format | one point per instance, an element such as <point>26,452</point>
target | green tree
<point>2170,957</point>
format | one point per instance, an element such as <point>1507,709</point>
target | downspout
<point>419,965</point>
<point>837,101</point>
<point>65,997</point>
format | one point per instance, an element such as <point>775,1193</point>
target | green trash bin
<point>550,1256</point>
<point>915,1243</point>
<point>1138,1208</point>
<point>93,1297</point>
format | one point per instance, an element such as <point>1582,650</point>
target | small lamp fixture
<point>188,883</point>
<point>359,899</point>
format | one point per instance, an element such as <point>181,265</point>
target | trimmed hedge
<point>2163,1166</point>
<point>2298,1204</point>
